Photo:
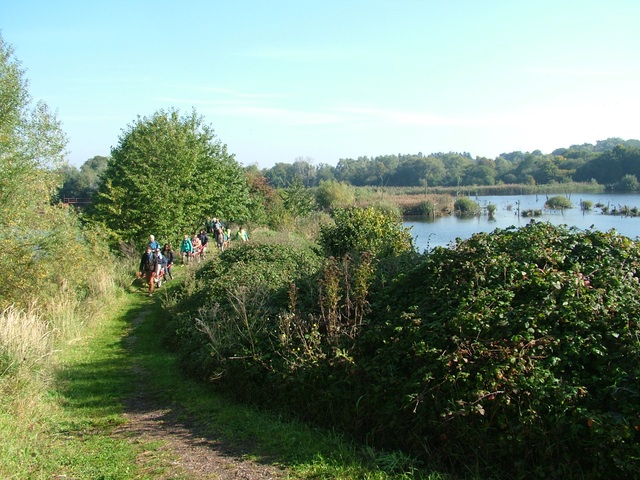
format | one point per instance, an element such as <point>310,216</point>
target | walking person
<point>168,254</point>
<point>147,268</point>
<point>186,249</point>
<point>153,243</point>
<point>242,235</point>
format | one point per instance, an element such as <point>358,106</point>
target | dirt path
<point>192,454</point>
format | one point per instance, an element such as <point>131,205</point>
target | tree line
<point>609,162</point>
<point>613,162</point>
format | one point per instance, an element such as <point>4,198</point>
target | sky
<point>282,80</point>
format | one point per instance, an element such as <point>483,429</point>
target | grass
<point>57,425</point>
<point>62,425</point>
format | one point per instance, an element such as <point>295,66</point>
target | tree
<point>298,200</point>
<point>167,174</point>
<point>45,253</point>
<point>281,175</point>
<point>82,183</point>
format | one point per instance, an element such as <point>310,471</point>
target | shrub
<point>586,205</point>
<point>466,206</point>
<point>371,229</point>
<point>558,202</point>
<point>332,194</point>
<point>628,183</point>
<point>517,348</point>
<point>235,300</point>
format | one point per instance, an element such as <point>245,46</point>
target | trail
<point>193,453</point>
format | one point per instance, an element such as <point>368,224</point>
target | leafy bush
<point>517,348</point>
<point>425,208</point>
<point>466,206</point>
<point>628,183</point>
<point>586,205</point>
<point>558,202</point>
<point>332,194</point>
<point>371,229</point>
<point>234,302</point>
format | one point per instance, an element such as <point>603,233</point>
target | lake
<point>443,231</point>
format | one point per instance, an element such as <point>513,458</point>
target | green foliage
<point>46,254</point>
<point>466,206</point>
<point>628,183</point>
<point>371,229</point>
<point>82,183</point>
<point>586,205</point>
<point>167,174</point>
<point>332,194</point>
<point>517,348</point>
<point>298,200</point>
<point>234,306</point>
<point>427,208</point>
<point>558,202</point>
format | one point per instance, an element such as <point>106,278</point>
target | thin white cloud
<point>575,72</point>
<point>412,118</point>
<point>300,54</point>
<point>279,115</point>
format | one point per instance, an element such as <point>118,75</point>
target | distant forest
<point>613,162</point>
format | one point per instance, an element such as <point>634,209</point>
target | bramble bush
<point>224,322</point>
<point>515,351</point>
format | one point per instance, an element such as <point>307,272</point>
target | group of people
<point>156,262</point>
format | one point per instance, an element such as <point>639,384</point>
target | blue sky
<point>324,80</point>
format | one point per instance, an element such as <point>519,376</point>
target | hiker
<point>153,243</point>
<point>147,269</point>
<point>197,246</point>
<point>161,268</point>
<point>168,254</point>
<point>186,249</point>
<point>242,235</point>
<point>204,240</point>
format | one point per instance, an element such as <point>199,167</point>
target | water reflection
<point>429,233</point>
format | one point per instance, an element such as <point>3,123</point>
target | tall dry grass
<point>26,340</point>
<point>30,337</point>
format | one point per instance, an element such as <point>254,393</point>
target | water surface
<point>443,231</point>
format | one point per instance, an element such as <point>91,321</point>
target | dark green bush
<point>518,348</point>
<point>235,303</point>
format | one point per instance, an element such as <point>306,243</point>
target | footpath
<point>190,449</point>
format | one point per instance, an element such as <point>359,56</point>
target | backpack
<point>149,263</point>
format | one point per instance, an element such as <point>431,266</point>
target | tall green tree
<point>43,252</point>
<point>167,174</point>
